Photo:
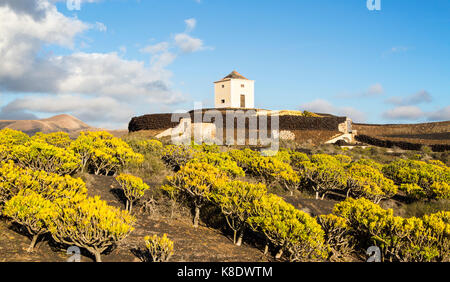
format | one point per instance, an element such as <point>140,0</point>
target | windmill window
<point>242,85</point>
<point>223,86</point>
<point>223,101</point>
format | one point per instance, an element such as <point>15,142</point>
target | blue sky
<point>112,60</point>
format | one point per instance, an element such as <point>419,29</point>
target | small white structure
<point>234,91</point>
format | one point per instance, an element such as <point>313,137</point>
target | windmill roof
<point>233,75</point>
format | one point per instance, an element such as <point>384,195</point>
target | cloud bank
<point>95,87</point>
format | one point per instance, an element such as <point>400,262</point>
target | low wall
<point>400,144</point>
<point>286,122</point>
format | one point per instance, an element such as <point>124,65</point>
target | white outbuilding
<point>234,91</point>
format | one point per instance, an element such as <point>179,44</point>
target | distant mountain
<point>64,123</point>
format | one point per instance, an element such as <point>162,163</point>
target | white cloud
<point>414,113</point>
<point>78,79</point>
<point>162,60</point>
<point>414,99</point>
<point>439,115</point>
<point>98,109</point>
<point>372,91</point>
<point>404,113</point>
<point>190,24</point>
<point>156,48</point>
<point>375,89</point>
<point>187,43</point>
<point>323,106</point>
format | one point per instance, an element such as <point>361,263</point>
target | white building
<point>234,91</point>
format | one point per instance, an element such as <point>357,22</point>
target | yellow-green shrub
<point>337,236</point>
<point>32,211</point>
<point>133,188</point>
<point>373,226</point>
<point>160,249</point>
<point>322,174</point>
<point>220,160</point>
<point>371,163</point>
<point>368,182</point>
<point>291,230</point>
<point>153,147</point>
<point>49,185</point>
<point>11,137</point>
<point>58,139</point>
<point>270,169</point>
<point>39,155</point>
<point>297,158</point>
<point>176,156</point>
<point>236,201</point>
<point>103,153</point>
<point>400,239</point>
<point>195,181</point>
<point>416,178</point>
<point>343,159</point>
<point>244,158</point>
<point>91,224</point>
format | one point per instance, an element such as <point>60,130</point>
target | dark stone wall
<point>400,144</point>
<point>163,121</point>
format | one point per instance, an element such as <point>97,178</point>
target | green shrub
<point>32,211</point>
<point>160,249</point>
<point>91,224</point>
<point>236,201</point>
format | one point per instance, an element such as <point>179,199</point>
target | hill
<point>421,133</point>
<point>64,123</point>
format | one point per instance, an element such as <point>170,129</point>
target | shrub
<point>159,248</point>
<point>337,236</point>
<point>58,139</point>
<point>206,148</point>
<point>297,158</point>
<point>177,156</point>
<point>322,174</point>
<point>291,230</point>
<point>49,185</point>
<point>271,169</point>
<point>370,162</point>
<point>410,239</point>
<point>151,147</point>
<point>343,159</point>
<point>373,225</point>
<point>133,188</point>
<point>439,226</point>
<point>368,182</point>
<point>32,211</point>
<point>440,190</point>
<point>244,158</point>
<point>274,171</point>
<point>11,137</point>
<point>102,153</point>
<point>195,181</point>
<point>236,200</point>
<point>222,161</point>
<point>418,178</point>
<point>91,224</point>
<point>39,155</point>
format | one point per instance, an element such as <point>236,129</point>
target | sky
<point>105,61</point>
